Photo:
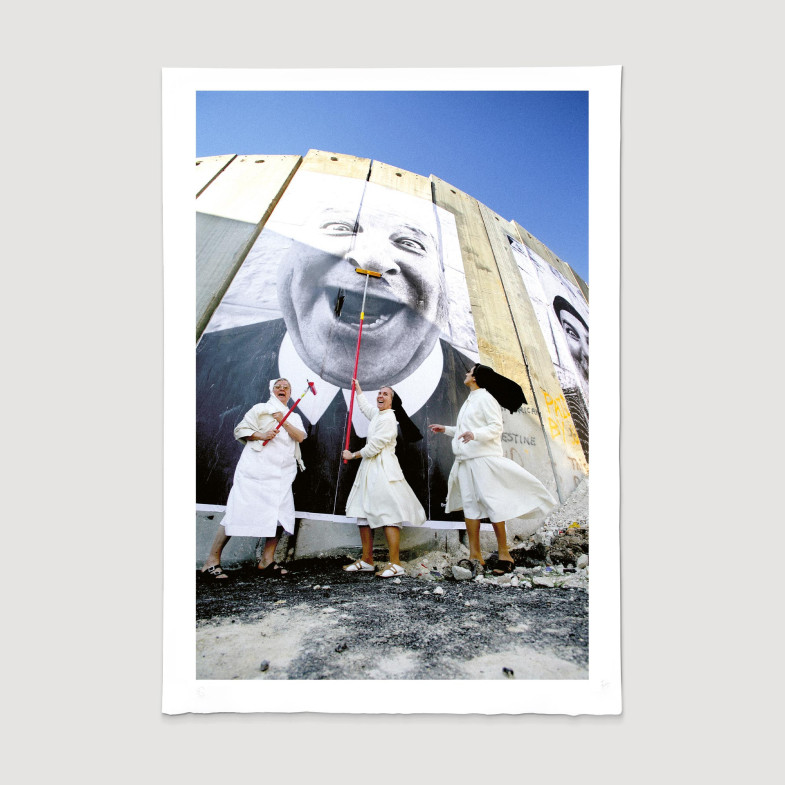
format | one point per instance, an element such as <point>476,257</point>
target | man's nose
<point>373,253</point>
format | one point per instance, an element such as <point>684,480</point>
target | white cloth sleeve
<point>386,432</point>
<point>247,426</point>
<point>366,408</point>
<point>297,422</point>
<point>491,414</point>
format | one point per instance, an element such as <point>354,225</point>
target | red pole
<point>367,274</point>
<point>354,376</point>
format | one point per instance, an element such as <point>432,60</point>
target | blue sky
<point>523,154</point>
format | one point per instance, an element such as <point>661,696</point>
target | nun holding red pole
<point>260,502</point>
<point>483,483</point>
<point>380,496</point>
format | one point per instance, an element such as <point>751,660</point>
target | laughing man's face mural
<point>320,293</point>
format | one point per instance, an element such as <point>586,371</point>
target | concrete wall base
<point>314,539</point>
<point>519,530</point>
<point>325,538</point>
<point>239,550</point>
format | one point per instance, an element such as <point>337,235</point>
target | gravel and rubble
<point>434,623</point>
<point>555,556</point>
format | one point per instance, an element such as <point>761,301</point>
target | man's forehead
<point>566,316</point>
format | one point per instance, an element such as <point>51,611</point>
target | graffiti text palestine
<point>517,438</point>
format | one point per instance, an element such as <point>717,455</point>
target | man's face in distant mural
<point>320,293</point>
<point>577,335</point>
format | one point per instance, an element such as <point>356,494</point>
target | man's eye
<point>337,227</point>
<point>410,244</point>
<point>571,333</point>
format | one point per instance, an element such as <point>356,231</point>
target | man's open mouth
<point>348,304</point>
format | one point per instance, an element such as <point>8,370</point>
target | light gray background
<point>702,435</point>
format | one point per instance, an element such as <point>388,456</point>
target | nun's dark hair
<point>409,431</point>
<point>508,393</point>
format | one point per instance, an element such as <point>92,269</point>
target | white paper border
<point>601,692</point>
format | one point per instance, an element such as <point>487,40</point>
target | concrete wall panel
<point>336,163</point>
<point>231,212</point>
<point>499,346</point>
<point>400,180</point>
<point>568,461</point>
<point>207,169</point>
<point>236,197</point>
<point>542,250</point>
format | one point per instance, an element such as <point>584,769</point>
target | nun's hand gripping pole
<point>293,407</point>
<point>367,274</point>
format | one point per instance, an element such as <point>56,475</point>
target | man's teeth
<point>375,323</point>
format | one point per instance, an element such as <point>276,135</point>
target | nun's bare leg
<point>501,540</point>
<point>473,533</point>
<point>268,553</point>
<point>214,556</point>
<point>366,537</point>
<point>393,535</point>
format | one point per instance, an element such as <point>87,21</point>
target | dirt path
<point>324,624</point>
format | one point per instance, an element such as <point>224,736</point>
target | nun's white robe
<point>261,496</point>
<point>380,494</point>
<point>483,483</point>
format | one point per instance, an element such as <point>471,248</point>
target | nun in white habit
<point>483,483</point>
<point>261,500</point>
<point>380,495</point>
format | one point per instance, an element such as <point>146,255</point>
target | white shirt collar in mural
<point>414,391</point>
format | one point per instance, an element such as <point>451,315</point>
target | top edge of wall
<point>327,162</point>
<point>336,163</point>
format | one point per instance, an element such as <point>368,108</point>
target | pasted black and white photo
<point>293,311</point>
<point>563,315</point>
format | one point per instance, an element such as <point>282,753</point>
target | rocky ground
<point>322,623</point>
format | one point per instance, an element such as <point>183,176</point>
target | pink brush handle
<point>351,399</point>
<point>283,420</point>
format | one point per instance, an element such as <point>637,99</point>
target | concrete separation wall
<point>487,313</point>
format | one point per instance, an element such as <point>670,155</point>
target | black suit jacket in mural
<point>233,371</point>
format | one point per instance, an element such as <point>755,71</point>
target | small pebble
<point>509,673</point>
<point>396,580</point>
<point>340,647</point>
<point>438,590</point>
<point>317,586</point>
<point>264,666</point>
